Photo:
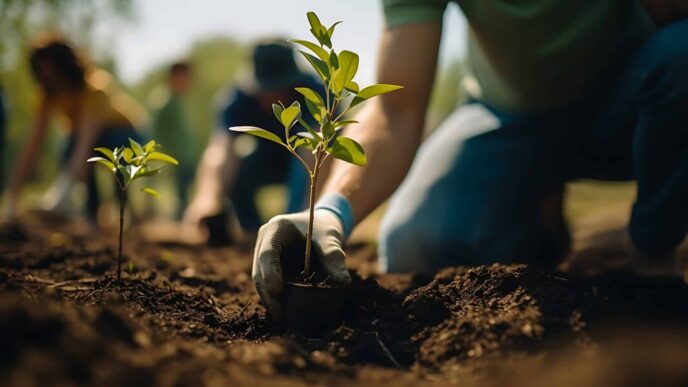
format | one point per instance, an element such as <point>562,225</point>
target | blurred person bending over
<point>561,90</point>
<point>235,166</point>
<point>172,129</point>
<point>95,112</point>
<point>3,138</point>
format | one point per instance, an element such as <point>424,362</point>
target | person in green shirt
<point>560,90</point>
<point>172,128</point>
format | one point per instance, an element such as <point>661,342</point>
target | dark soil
<point>189,316</point>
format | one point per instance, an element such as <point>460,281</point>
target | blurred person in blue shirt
<point>235,166</point>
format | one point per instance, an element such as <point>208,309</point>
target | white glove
<point>58,196</point>
<point>283,237</point>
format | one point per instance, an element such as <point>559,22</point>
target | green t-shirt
<point>171,129</point>
<point>532,55</point>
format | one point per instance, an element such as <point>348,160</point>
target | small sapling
<point>128,164</point>
<point>337,71</point>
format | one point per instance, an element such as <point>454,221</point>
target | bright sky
<point>165,29</point>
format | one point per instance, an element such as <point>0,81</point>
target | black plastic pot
<point>312,310</point>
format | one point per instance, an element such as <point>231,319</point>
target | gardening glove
<point>280,245</point>
<point>58,196</point>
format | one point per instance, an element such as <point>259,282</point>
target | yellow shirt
<point>104,102</point>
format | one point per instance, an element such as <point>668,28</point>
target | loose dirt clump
<point>189,315</point>
<point>470,313</point>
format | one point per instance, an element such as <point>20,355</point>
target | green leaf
<point>311,95</point>
<point>103,161</point>
<point>314,21</point>
<point>107,153</point>
<point>308,128</point>
<point>346,149</point>
<point>333,60</point>
<point>348,65</point>
<point>306,125</point>
<point>125,173</point>
<point>352,87</point>
<point>291,114</point>
<point>132,171</point>
<point>159,156</point>
<point>300,141</point>
<point>330,30</point>
<point>325,39</point>
<point>317,112</point>
<point>312,139</point>
<point>258,132</point>
<point>151,192</point>
<point>117,153</point>
<point>327,130</point>
<point>306,135</point>
<point>317,50</point>
<point>128,155</point>
<point>277,110</point>
<point>318,30</point>
<point>372,91</point>
<point>318,65</point>
<point>146,171</point>
<point>150,146</point>
<point>342,123</point>
<point>136,147</point>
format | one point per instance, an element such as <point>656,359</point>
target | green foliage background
<point>20,21</point>
<point>216,61</point>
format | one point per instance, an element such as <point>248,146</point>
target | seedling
<point>128,164</point>
<point>337,71</point>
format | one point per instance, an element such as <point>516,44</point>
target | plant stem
<point>311,214</point>
<point>122,203</point>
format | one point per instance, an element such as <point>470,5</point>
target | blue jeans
<point>258,170</point>
<point>477,190</point>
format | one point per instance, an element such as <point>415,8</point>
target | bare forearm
<point>390,126</point>
<point>217,169</point>
<point>85,142</point>
<point>28,156</point>
<point>389,157</point>
<point>26,161</point>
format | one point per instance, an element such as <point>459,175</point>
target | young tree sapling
<point>128,164</point>
<point>337,71</point>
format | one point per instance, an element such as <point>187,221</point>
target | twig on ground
<point>385,349</point>
<point>79,281</point>
<point>33,278</point>
<point>243,308</point>
<point>74,288</point>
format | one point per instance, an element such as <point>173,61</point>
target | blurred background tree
<point>217,59</point>
<point>87,23</point>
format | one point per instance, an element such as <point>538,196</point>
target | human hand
<point>279,248</point>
